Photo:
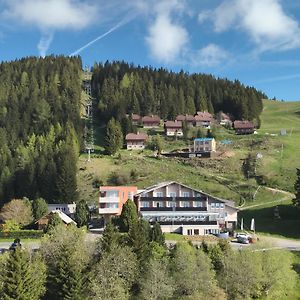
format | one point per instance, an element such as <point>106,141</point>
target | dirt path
<point>288,196</point>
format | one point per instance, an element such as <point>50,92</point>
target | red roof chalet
<point>135,118</point>
<point>188,118</point>
<point>173,128</point>
<point>136,141</point>
<point>243,127</point>
<point>151,121</point>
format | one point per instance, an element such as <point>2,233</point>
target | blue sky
<point>255,41</point>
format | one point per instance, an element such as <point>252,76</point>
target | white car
<point>243,238</point>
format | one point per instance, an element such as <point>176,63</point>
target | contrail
<point>279,78</point>
<point>123,22</point>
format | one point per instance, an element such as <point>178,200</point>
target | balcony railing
<point>172,199</point>
<point>186,222</point>
<point>109,199</point>
<point>108,211</point>
<point>173,209</point>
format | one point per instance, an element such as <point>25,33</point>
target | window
<point>190,232</point>
<point>159,204</point>
<point>217,205</point>
<point>112,205</point>
<point>198,195</point>
<point>172,194</point>
<point>130,195</point>
<point>186,194</point>
<point>185,204</point>
<point>198,204</point>
<point>206,148</point>
<point>112,194</point>
<point>159,194</point>
<point>196,231</point>
<point>222,205</point>
<point>206,143</point>
<point>145,204</point>
<point>212,205</point>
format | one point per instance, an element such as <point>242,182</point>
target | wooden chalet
<point>243,127</point>
<point>152,121</point>
<point>136,141</point>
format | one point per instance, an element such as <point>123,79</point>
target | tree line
<point>121,88</point>
<point>132,261</point>
<point>40,128</point>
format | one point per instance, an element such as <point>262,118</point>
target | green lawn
<point>287,226</point>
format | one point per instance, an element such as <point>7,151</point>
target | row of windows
<point>201,142</point>
<point>206,231</point>
<point>217,205</point>
<point>171,204</point>
<point>174,194</point>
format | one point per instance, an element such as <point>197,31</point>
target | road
<point>268,242</point>
<point>31,245</point>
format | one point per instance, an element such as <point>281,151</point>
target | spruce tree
<point>114,137</point>
<point>81,213</point>
<point>39,208</point>
<point>22,277</point>
<point>157,235</point>
<point>129,216</point>
<point>110,237</point>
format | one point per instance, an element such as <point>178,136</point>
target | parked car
<point>15,244</point>
<point>243,238</point>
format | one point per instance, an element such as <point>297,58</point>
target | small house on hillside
<point>224,119</point>
<point>136,119</point>
<point>152,121</point>
<point>43,222</point>
<point>243,127</point>
<point>173,128</point>
<point>136,141</point>
<point>189,119</point>
<point>202,145</point>
<point>67,208</point>
<point>203,119</point>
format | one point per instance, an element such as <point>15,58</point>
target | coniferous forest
<point>40,128</point>
<point>122,88</point>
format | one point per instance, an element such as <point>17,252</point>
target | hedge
<point>29,234</point>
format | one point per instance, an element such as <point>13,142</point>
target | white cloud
<point>166,39</point>
<point>49,16</point>
<point>265,21</point>
<point>210,56</point>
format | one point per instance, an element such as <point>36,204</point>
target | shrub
<point>29,234</point>
<point>120,178</point>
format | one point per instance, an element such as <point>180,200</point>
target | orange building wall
<point>123,193</point>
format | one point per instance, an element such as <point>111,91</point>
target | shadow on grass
<point>288,225</point>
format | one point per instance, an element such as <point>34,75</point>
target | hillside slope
<point>222,176</point>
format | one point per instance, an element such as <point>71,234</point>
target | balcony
<point>185,222</point>
<point>103,211</point>
<point>109,199</point>
<point>177,199</point>
<point>173,209</point>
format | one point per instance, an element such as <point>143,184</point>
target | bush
<point>118,178</point>
<point>29,234</point>
<point>97,182</point>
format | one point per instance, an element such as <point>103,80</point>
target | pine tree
<point>22,278</point>
<point>81,213</point>
<point>39,208</point>
<point>114,137</point>
<point>157,235</point>
<point>296,201</point>
<point>110,237</point>
<point>129,216</point>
